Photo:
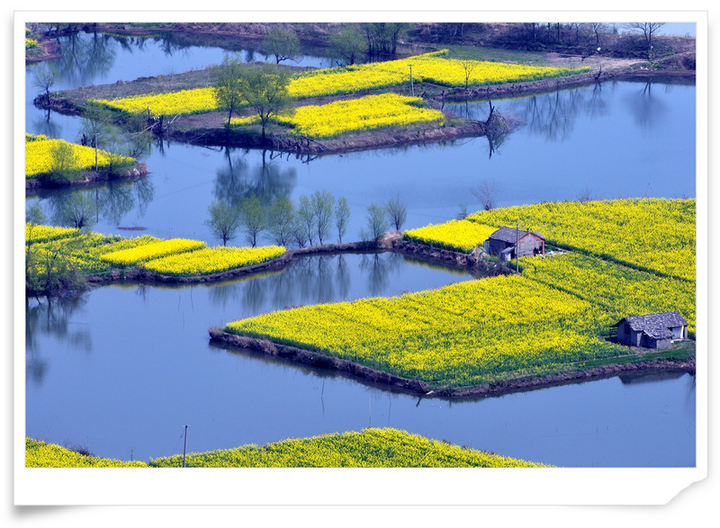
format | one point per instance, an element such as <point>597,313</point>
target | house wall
<point>632,338</point>
<point>495,247</point>
<point>678,332</point>
<point>528,245</point>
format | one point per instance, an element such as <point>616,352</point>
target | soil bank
<point>477,267</point>
<point>318,359</point>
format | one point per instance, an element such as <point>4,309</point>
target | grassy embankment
<point>368,448</point>
<point>368,112</point>
<point>58,161</point>
<point>553,319</point>
<point>96,255</point>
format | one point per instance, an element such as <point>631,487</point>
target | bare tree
<point>397,212</point>
<point>486,193</point>
<point>648,30</point>
<point>468,66</point>
<point>584,195</point>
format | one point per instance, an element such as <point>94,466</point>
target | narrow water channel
<point>124,368</point>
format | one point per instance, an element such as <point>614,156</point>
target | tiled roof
<point>509,234</point>
<point>656,325</point>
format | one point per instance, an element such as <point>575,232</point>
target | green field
<point>369,448</point>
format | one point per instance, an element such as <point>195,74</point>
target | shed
<point>656,330</point>
<point>502,243</point>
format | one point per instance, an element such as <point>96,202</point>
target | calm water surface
<point>124,368</point>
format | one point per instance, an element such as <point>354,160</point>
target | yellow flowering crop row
<point>135,255</point>
<point>464,334</point>
<point>92,253</point>
<point>652,234</point>
<point>619,290</point>
<point>40,233</point>
<point>431,67</point>
<point>455,235</point>
<point>356,115</point>
<point>212,260</point>
<point>41,454</point>
<point>184,102</point>
<point>39,158</point>
<point>369,448</point>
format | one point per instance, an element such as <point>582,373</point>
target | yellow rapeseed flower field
<point>455,235</point>
<point>134,255</point>
<point>212,260</point>
<point>358,115</point>
<point>464,334</point>
<point>39,158</point>
<point>44,455</point>
<point>621,291</point>
<point>652,234</point>
<point>431,67</point>
<point>184,102</point>
<point>374,447</point>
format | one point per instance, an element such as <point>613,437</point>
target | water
<point>142,367</point>
<point>124,368</point>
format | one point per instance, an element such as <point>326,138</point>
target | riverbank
<point>655,362</point>
<point>392,242</point>
<point>137,171</point>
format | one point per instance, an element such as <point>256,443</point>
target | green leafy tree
<point>253,219</point>
<point>64,162</point>
<point>284,44</point>
<point>305,220</point>
<point>228,85</point>
<point>34,216</point>
<point>224,221</point>
<point>266,91</point>
<point>348,44</point>
<point>382,37</point>
<point>281,220</point>
<point>377,223</point>
<point>342,217</point>
<point>323,204</point>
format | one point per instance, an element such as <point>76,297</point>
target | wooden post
<point>517,250</point>
<point>412,87</point>
<point>185,446</point>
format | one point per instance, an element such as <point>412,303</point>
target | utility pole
<point>517,250</point>
<point>412,87</point>
<point>185,446</point>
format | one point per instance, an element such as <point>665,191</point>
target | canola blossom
<point>374,447</point>
<point>462,335</point>
<point>39,157</point>
<point>184,102</point>
<point>40,233</point>
<point>650,234</point>
<point>455,235</point>
<point>134,255</point>
<point>430,67</point>
<point>386,447</point>
<point>39,454</point>
<point>212,260</point>
<point>358,115</point>
<point>95,254</point>
<point>621,291</point>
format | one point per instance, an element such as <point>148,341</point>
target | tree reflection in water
<point>51,316</point>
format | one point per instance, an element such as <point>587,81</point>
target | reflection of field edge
<point>318,359</point>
